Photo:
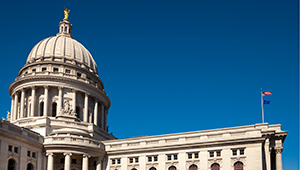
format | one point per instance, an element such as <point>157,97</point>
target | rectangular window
<point>155,158</point>
<point>78,74</point>
<point>190,156</point>
<point>74,161</point>
<point>149,159</point>
<point>131,160</point>
<point>16,149</point>
<point>211,154</point>
<point>119,161</point>
<point>55,69</point>
<point>28,153</point>
<point>241,151</point>
<point>10,148</point>
<point>33,70</point>
<point>113,161</point>
<point>175,157</point>
<point>68,71</point>
<point>33,154</point>
<point>169,157</point>
<point>44,69</point>
<point>136,160</point>
<point>196,155</point>
<point>234,152</point>
<point>218,153</point>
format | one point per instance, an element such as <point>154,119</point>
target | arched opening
<point>193,167</point>
<point>11,164</point>
<point>215,166</point>
<point>29,166</point>
<point>41,112</point>
<point>172,168</point>
<point>78,112</point>
<point>152,168</point>
<point>54,108</point>
<point>238,166</point>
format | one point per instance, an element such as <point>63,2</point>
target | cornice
<point>20,138</point>
<point>184,146</point>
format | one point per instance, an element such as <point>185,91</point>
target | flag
<point>266,93</point>
<point>267,101</point>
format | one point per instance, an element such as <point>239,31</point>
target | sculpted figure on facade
<point>67,110</point>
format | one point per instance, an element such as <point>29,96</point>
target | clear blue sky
<point>174,66</point>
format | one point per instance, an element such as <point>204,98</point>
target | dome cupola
<point>63,48</point>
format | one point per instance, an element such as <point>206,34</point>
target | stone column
<point>74,102</point>
<point>86,107</point>
<point>46,96</point>
<point>32,101</point>
<point>96,113</point>
<point>102,116</point>
<point>85,162</point>
<point>99,163</point>
<point>279,158</point>
<point>105,118</point>
<point>12,114</point>
<point>50,161</point>
<point>67,161</point>
<point>16,106</point>
<point>22,114</point>
<point>60,100</point>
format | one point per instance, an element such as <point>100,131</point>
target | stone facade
<point>58,121</point>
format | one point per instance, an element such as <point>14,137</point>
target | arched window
<point>54,107</point>
<point>152,168</point>
<point>11,164</point>
<point>29,166</point>
<point>78,112</point>
<point>41,108</point>
<point>172,168</point>
<point>215,166</point>
<point>193,167</point>
<point>238,166</point>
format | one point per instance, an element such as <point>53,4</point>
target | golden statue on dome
<point>66,11</point>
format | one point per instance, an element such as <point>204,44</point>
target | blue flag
<point>267,101</point>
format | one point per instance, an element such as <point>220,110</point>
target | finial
<point>66,11</point>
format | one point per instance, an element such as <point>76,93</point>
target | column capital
<point>16,93</point>
<point>49,154</point>
<point>23,90</point>
<point>74,91</point>
<point>278,150</point>
<point>60,88</point>
<point>46,87</point>
<point>33,87</point>
<point>86,156</point>
<point>67,154</point>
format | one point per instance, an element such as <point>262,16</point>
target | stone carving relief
<point>236,159</point>
<point>67,110</point>
<point>212,161</point>
<point>196,162</point>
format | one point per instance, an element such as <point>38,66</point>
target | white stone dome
<point>62,47</point>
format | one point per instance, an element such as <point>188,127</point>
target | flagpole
<point>262,105</point>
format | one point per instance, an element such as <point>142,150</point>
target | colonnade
<point>68,158</point>
<point>18,109</point>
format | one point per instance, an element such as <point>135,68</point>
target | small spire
<point>65,27</point>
